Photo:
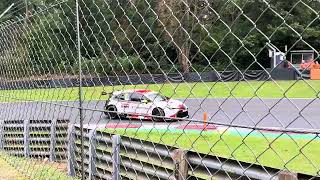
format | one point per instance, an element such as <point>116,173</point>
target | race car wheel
<point>158,112</point>
<point>111,112</point>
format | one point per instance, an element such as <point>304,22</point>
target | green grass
<point>300,155</point>
<point>292,89</point>
<point>37,169</point>
<point>9,172</point>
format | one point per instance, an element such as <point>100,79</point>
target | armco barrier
<point>35,138</point>
<point>258,75</point>
<point>111,156</point>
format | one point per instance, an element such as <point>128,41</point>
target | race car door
<point>144,106</point>
<point>134,101</point>
<point>123,100</point>
<point>137,106</point>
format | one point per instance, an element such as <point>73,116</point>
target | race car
<point>144,104</point>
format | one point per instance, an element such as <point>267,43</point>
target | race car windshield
<point>157,97</point>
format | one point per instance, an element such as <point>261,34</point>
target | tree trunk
<point>183,57</point>
<point>183,41</point>
<point>177,28</point>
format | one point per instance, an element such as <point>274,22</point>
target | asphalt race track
<point>275,113</point>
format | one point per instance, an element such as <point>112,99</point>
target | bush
<point>110,67</point>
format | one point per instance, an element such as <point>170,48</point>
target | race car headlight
<point>171,106</point>
<point>181,106</point>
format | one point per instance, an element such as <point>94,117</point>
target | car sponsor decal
<point>125,105</point>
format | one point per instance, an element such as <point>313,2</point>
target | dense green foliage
<point>142,36</point>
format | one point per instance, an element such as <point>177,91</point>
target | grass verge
<point>281,152</point>
<point>270,89</point>
<point>9,172</point>
<point>37,169</point>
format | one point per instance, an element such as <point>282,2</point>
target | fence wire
<point>167,89</point>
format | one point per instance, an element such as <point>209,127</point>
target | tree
<point>179,19</point>
<point>143,36</point>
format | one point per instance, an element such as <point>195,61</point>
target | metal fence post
<point>92,154</point>
<point>116,157</point>
<point>71,150</point>
<point>2,134</point>
<point>26,137</point>
<point>53,140</point>
<point>287,175</point>
<point>179,157</point>
<point>81,95</point>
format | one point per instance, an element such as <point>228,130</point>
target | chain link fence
<point>167,89</point>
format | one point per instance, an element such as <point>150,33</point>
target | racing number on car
<point>125,105</point>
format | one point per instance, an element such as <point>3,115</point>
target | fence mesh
<point>167,89</point>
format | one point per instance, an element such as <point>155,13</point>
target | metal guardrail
<point>35,138</point>
<point>141,159</point>
<point>258,75</point>
<point>109,156</point>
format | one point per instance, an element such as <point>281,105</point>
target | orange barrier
<point>315,74</point>
<point>315,66</point>
<point>309,65</point>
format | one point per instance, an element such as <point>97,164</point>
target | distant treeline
<point>120,37</point>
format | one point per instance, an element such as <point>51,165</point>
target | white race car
<point>144,104</point>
